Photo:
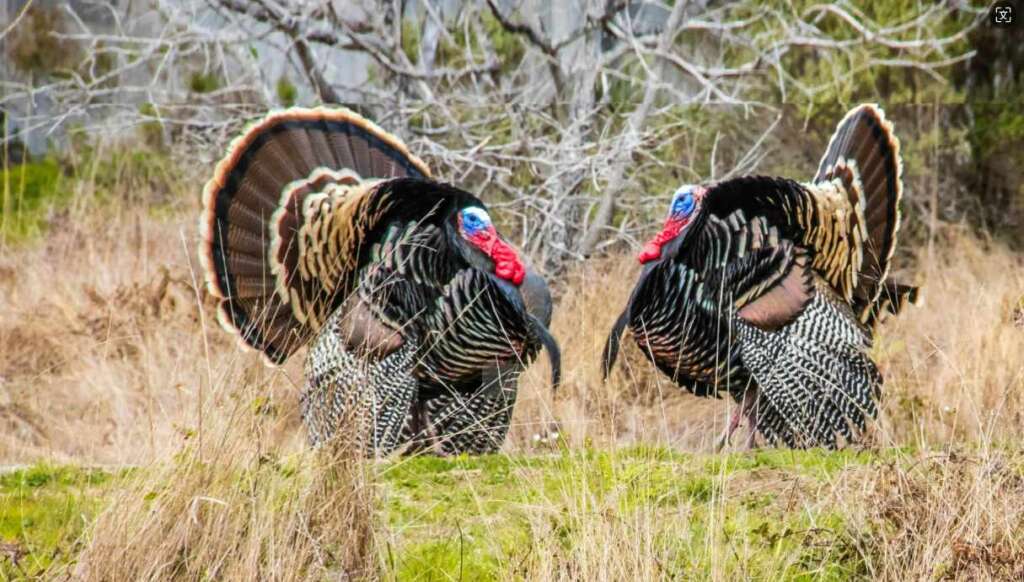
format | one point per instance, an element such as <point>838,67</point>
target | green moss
<point>455,554</point>
<point>411,40</point>
<point>445,514</point>
<point>30,191</point>
<point>489,517</point>
<point>43,512</point>
<point>813,463</point>
<point>286,91</point>
<point>203,83</point>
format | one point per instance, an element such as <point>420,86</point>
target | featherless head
<point>476,227</point>
<point>681,211</point>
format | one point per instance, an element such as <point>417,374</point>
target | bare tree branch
<point>558,129</point>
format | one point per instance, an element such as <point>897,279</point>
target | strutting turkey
<point>319,227</point>
<point>769,289</point>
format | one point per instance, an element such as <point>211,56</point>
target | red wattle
<point>652,250</point>
<point>507,265</point>
<point>506,262</point>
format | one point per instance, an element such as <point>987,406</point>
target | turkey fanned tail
<point>863,157</point>
<point>285,216</point>
<point>816,385</point>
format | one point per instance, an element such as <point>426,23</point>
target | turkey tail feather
<point>258,201</point>
<point>865,154</point>
<point>891,301</point>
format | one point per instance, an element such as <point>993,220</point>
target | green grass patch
<point>32,193</point>
<point>498,516</point>
<point>29,191</point>
<point>43,512</point>
<point>484,517</point>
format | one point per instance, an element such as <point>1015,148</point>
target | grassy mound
<point>637,512</point>
<point>44,511</point>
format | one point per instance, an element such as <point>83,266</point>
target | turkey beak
<point>552,349</point>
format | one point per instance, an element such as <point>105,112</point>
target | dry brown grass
<point>104,342</point>
<point>102,345</point>
<point>636,404</point>
<point>954,366</point>
<point>948,515</point>
<point>231,508</point>
<point>108,355</point>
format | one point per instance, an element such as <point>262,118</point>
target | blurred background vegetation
<point>762,93</point>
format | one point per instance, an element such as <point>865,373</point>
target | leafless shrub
<point>559,114</point>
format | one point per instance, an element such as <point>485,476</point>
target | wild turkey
<point>769,289</point>
<point>318,226</point>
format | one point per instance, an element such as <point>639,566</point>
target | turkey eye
<point>473,221</point>
<point>683,205</point>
